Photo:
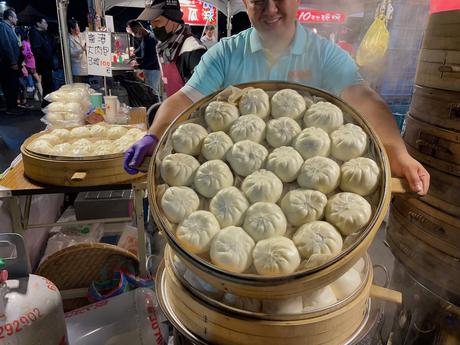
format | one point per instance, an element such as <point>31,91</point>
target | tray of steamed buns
<point>269,180</point>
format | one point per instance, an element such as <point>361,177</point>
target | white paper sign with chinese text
<point>99,53</point>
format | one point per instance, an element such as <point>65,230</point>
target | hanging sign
<point>444,5</point>
<point>198,12</point>
<point>305,15</point>
<point>98,45</point>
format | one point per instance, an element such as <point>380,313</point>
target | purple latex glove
<point>136,153</point>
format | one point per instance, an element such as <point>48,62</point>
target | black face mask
<point>161,34</point>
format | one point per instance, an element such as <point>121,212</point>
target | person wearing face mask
<point>79,59</point>
<point>277,47</point>
<point>178,51</point>
<point>147,55</point>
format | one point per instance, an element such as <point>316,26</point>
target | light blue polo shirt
<point>310,60</point>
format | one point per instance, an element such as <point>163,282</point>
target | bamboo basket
<point>437,107</point>
<point>278,287</point>
<point>73,171</point>
<point>432,226</point>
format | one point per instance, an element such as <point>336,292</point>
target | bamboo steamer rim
<point>367,276</point>
<point>254,279</point>
<point>161,291</point>
<point>37,155</point>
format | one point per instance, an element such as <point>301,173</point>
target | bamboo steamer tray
<point>444,192</point>
<point>438,143</point>
<point>432,226</point>
<point>73,171</point>
<point>437,107</point>
<point>278,287</point>
<point>220,326</point>
<point>439,69</point>
<point>436,270</point>
<point>442,31</point>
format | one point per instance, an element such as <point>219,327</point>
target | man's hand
<point>136,153</point>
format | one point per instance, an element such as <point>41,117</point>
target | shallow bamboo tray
<point>436,107</point>
<point>278,287</point>
<point>428,224</point>
<point>222,327</point>
<point>73,171</point>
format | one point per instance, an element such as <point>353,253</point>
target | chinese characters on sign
<point>99,53</point>
<point>315,16</point>
<point>197,12</point>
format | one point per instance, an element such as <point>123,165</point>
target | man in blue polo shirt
<point>278,48</point>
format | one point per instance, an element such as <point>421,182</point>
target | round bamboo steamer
<point>438,143</point>
<point>439,69</point>
<point>437,107</point>
<point>436,270</point>
<point>73,172</point>
<point>444,192</point>
<point>430,225</point>
<point>276,287</point>
<point>209,324</point>
<point>442,31</point>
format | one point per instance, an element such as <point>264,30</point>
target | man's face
<point>161,21</point>
<point>13,19</point>
<point>271,16</point>
<point>210,33</point>
<point>43,25</point>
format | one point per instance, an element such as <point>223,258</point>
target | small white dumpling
<point>40,146</point>
<point>63,149</point>
<point>275,256</point>
<point>248,127</point>
<point>219,116</point>
<point>98,131</point>
<point>293,305</point>
<point>51,138</point>
<point>62,133</point>
<point>302,205</point>
<point>179,169</point>
<point>285,162</point>
<point>216,145</point>
<point>348,212</point>
<point>229,206</point>
<point>178,203</point>
<point>80,132</point>
<point>82,147</point>
<point>255,101</point>
<point>188,138</point>
<point>312,142</point>
<point>243,303</point>
<point>323,115</point>
<point>196,231</point>
<point>264,220</point>
<point>115,132</point>
<point>211,177</point>
<point>319,173</point>
<point>231,249</point>
<point>319,299</point>
<point>282,131</point>
<point>262,185</point>
<point>288,103</point>
<point>346,284</point>
<point>246,156</point>
<point>360,175</point>
<point>347,142</point>
<point>317,238</point>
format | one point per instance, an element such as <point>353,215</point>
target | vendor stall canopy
<point>232,6</point>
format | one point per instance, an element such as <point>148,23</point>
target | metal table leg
<point>139,193</point>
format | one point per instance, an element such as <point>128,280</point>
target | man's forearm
<point>168,111</point>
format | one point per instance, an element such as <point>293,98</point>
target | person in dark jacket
<point>148,60</point>
<point>43,50</point>
<point>9,60</point>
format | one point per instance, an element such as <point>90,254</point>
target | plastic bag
<point>374,44</point>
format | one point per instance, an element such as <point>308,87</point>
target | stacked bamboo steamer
<point>425,233</point>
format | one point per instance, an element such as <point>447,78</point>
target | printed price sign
<point>305,15</point>
<point>99,53</point>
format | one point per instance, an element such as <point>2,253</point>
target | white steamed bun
<point>246,156</point>
<point>211,177</point>
<point>319,299</point>
<point>346,284</point>
<point>264,220</point>
<point>360,175</point>
<point>179,202</point>
<point>302,206</point>
<point>288,103</point>
<point>248,127</point>
<point>285,162</point>
<point>319,173</point>
<point>82,147</point>
<point>243,303</point>
<point>62,133</point>
<point>347,142</point>
<point>229,206</point>
<point>216,145</point>
<point>293,305</point>
<point>282,131</point>
<point>40,146</point>
<point>98,131</point>
<point>179,169</point>
<point>196,231</point>
<point>323,115</point>
<point>116,132</point>
<point>317,238</point>
<point>256,102</point>
<point>80,132</point>
<point>51,138</point>
<point>262,185</point>
<point>63,149</point>
<point>275,256</point>
<point>188,138</point>
<point>220,115</point>
<point>312,142</point>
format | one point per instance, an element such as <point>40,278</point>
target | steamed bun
<point>116,132</point>
<point>264,220</point>
<point>188,138</point>
<point>248,127</point>
<point>262,185</point>
<point>292,305</point>
<point>229,206</point>
<point>80,132</point>
<point>360,176</point>
<point>288,103</point>
<point>246,156</point>
<point>179,169</point>
<point>319,173</point>
<point>62,133</point>
<point>178,203</point>
<point>317,238</point>
<point>211,177</point>
<point>302,206</point>
<point>98,131</point>
<point>40,146</point>
<point>63,149</point>
<point>52,139</point>
<point>324,115</point>
<point>319,299</point>
<point>282,131</point>
<point>196,231</point>
<point>312,142</point>
<point>256,102</point>
<point>243,303</point>
<point>349,141</point>
<point>346,284</point>
<point>275,256</point>
<point>220,115</point>
<point>285,162</point>
<point>82,147</point>
<point>216,145</point>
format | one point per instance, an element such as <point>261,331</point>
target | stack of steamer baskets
<point>232,273</point>
<point>425,233</point>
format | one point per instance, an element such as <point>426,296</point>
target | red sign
<point>444,5</point>
<point>305,15</point>
<point>198,12</point>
